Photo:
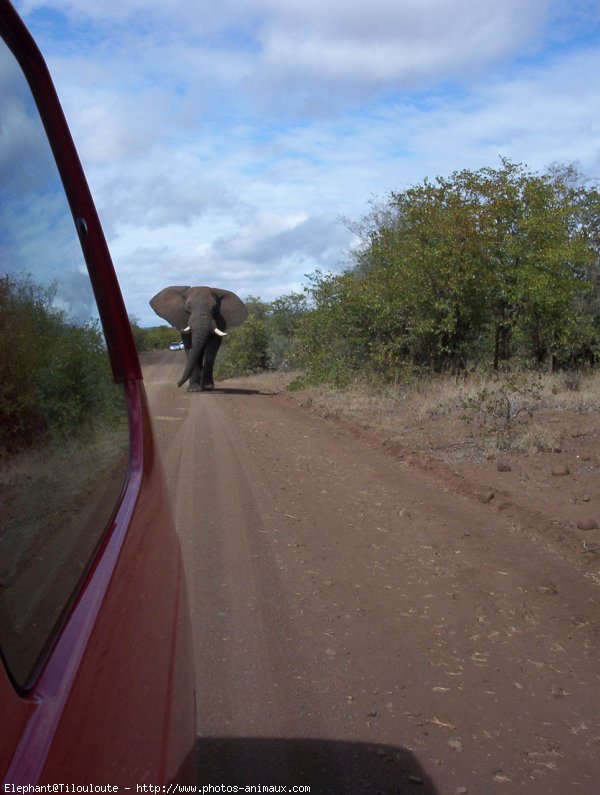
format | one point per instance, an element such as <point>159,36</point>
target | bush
<point>268,340</point>
<point>55,377</point>
<point>245,350</point>
<point>75,389</point>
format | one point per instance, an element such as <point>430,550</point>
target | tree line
<point>494,267</point>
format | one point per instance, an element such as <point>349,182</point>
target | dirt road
<point>359,627</point>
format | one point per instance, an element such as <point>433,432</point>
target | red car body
<point>111,701</point>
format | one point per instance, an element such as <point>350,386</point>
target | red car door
<point>96,681</point>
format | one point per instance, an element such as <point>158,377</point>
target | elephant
<point>202,315</point>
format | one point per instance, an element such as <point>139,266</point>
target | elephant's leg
<point>212,348</point>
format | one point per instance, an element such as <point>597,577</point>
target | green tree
<point>536,252</point>
<point>482,265</point>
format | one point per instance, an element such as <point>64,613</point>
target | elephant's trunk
<point>200,332</point>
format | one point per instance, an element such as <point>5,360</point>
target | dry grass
<point>537,438</point>
<point>446,415</point>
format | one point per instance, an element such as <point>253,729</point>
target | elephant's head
<point>199,312</point>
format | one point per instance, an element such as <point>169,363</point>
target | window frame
<point>64,648</point>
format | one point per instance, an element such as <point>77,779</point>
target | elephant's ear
<point>170,305</point>
<point>232,308</point>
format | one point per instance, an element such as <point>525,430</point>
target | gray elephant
<point>202,315</point>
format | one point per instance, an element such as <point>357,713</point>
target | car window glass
<point>63,424</point>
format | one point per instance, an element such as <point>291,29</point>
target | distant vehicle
<point>96,668</point>
<point>176,346</point>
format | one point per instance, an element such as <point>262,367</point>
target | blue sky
<point>225,142</point>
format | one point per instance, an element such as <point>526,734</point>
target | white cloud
<point>544,113</point>
<point>224,140</point>
<point>293,42</point>
<point>391,42</point>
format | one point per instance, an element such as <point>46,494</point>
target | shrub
<point>245,350</point>
<point>55,378</point>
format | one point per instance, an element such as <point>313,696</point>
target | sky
<point>234,143</point>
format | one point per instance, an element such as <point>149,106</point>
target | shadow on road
<point>232,390</point>
<point>328,767</point>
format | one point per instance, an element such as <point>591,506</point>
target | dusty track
<point>359,627</point>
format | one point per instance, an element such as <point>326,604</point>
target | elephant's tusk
<point>220,333</point>
<point>187,330</point>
